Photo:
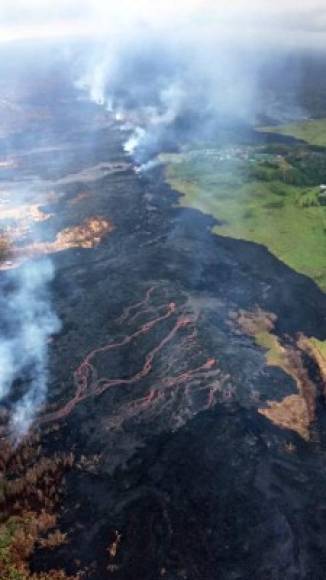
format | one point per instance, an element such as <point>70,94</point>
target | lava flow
<point>182,335</point>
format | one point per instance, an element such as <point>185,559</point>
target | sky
<point>287,21</point>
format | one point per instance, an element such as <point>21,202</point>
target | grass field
<point>285,218</point>
<point>312,131</point>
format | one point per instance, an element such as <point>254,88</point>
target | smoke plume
<point>190,67</point>
<point>27,322</point>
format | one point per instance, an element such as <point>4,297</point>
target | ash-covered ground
<point>158,386</point>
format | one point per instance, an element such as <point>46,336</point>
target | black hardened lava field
<point>168,415</point>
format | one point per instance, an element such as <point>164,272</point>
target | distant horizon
<point>291,24</point>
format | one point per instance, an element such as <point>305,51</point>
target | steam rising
<point>185,66</point>
<point>155,90</point>
<point>27,320</point>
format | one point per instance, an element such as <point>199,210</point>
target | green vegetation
<point>275,355</point>
<point>18,537</point>
<point>259,197</point>
<point>312,131</point>
<point>321,345</point>
<point>317,348</point>
<point>8,565</point>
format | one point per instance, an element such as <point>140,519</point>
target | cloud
<point>263,19</point>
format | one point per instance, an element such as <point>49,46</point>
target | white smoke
<point>28,322</point>
<point>97,87</point>
<point>148,71</point>
<point>159,60</point>
<point>137,137</point>
<point>148,166</point>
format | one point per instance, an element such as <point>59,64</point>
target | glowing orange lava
<point>86,235</point>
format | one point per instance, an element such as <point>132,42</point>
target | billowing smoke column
<point>172,68</point>
<point>27,322</point>
<point>162,75</point>
<point>157,91</point>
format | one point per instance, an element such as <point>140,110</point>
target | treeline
<point>307,169</point>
